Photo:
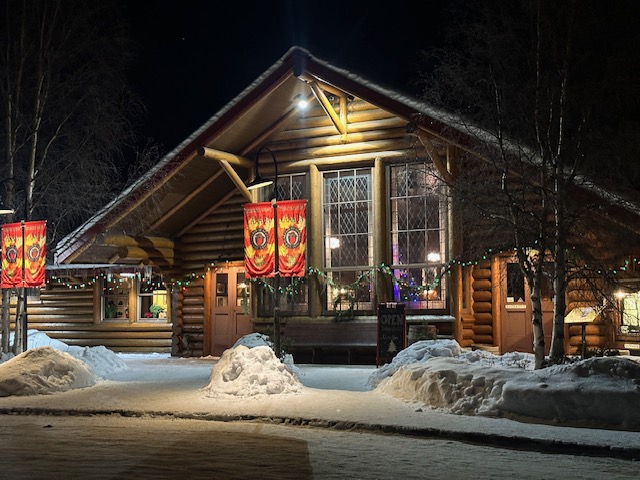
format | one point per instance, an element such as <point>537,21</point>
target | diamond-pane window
<point>348,233</point>
<point>290,187</point>
<point>417,210</point>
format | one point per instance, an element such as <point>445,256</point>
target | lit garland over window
<point>631,264</point>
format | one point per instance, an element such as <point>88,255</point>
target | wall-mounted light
<point>301,102</point>
<point>258,181</point>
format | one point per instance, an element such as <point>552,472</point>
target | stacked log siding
<point>598,334</point>
<point>72,316</point>
<point>482,305</point>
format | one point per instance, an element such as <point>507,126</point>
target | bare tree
<point>546,83</point>
<point>66,111</point>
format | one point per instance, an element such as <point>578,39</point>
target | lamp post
<point>259,182</point>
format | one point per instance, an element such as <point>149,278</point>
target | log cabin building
<point>367,160</point>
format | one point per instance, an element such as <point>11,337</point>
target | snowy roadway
<point>115,447</point>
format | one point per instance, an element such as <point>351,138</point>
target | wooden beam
<point>223,159</point>
<point>436,158</point>
<point>328,108</point>
<point>325,86</point>
<point>226,156</point>
<point>235,178</point>
<point>129,241</point>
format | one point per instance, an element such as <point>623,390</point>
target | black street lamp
<point>260,182</point>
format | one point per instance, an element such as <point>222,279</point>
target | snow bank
<point>246,372</point>
<point>44,370</point>
<point>603,390</point>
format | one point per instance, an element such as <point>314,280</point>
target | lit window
<point>418,235</point>
<point>152,298</point>
<point>348,238</point>
<point>115,297</point>
<point>629,312</point>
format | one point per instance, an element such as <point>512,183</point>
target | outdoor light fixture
<point>301,102</point>
<point>258,181</point>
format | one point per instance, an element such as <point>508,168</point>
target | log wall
<point>69,315</point>
<point>483,318</point>
<point>599,334</point>
<point>190,318</point>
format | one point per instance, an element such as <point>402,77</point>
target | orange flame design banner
<point>259,240</point>
<point>12,255</point>
<point>35,245</point>
<point>24,254</point>
<point>292,237</point>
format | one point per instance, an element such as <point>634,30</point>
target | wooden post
<point>315,240</point>
<point>384,292</point>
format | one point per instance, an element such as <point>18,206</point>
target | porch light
<point>301,102</point>
<point>258,181</point>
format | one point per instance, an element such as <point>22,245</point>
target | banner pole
<point>24,299</point>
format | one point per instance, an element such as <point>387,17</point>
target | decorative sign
<point>292,237</point>
<point>582,315</point>
<point>391,331</point>
<point>265,222</point>
<point>24,254</point>
<point>259,245</point>
<point>516,306</point>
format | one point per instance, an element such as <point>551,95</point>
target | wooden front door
<point>229,321</point>
<point>517,330</point>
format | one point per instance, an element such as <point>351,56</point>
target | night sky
<point>196,55</point>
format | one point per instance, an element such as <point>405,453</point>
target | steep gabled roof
<point>177,190</point>
<point>183,187</point>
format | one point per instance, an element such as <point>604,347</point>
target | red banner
<point>24,254</point>
<point>259,243</point>
<point>12,256</point>
<point>35,244</point>
<point>292,237</point>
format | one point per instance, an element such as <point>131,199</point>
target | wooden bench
<point>320,338</point>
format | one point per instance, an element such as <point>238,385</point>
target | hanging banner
<point>35,243</point>
<point>12,255</point>
<point>292,237</point>
<point>259,240</point>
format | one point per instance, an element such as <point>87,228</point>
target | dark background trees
<point>67,122</point>
<point>67,112</point>
<point>554,87</point>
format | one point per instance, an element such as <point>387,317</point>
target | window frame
<point>337,297</point>
<point>431,300</point>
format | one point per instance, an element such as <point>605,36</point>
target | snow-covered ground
<point>437,379</point>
